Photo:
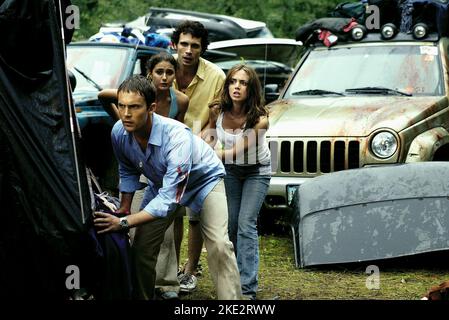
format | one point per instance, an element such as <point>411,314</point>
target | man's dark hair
<point>196,29</point>
<point>141,85</point>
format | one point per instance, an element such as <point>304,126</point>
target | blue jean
<point>245,192</point>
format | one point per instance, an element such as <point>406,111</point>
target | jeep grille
<point>313,157</point>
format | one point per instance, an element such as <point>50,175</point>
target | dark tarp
<point>45,204</point>
<point>372,213</point>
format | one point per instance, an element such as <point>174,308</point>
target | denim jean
<point>245,192</point>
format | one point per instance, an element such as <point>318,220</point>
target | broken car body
<point>372,213</point>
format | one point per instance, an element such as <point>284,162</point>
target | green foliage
<point>283,17</point>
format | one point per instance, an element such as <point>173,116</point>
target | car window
<point>413,69</point>
<point>286,54</point>
<point>137,68</point>
<point>140,65</point>
<point>105,66</point>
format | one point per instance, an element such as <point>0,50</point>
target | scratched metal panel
<point>374,213</point>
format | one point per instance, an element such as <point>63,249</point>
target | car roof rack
<point>376,37</point>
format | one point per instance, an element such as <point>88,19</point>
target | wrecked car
<point>372,213</point>
<point>360,142</point>
<point>358,104</point>
<point>163,21</point>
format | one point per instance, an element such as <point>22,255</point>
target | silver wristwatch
<point>124,223</point>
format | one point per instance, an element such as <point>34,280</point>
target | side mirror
<point>271,92</point>
<point>72,80</point>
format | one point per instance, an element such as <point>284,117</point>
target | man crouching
<point>181,170</point>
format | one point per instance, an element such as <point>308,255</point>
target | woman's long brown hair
<point>254,105</point>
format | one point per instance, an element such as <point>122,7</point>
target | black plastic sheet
<point>45,205</point>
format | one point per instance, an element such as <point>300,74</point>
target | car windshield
<point>411,69</point>
<point>104,66</point>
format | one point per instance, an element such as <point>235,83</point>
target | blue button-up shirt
<point>181,167</point>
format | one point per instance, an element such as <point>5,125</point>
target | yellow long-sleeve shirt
<point>205,87</point>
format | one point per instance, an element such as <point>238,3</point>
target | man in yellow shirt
<point>198,78</point>
<point>202,82</point>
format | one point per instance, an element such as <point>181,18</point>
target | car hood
<point>348,116</point>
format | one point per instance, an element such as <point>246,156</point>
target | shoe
<point>166,295</point>
<point>198,270</point>
<point>187,283</point>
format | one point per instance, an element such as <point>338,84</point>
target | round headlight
<point>420,30</point>
<point>384,144</point>
<point>388,31</point>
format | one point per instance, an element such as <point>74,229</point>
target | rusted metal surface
<point>373,213</point>
<point>348,116</point>
<point>425,145</point>
<point>342,120</point>
<point>444,47</point>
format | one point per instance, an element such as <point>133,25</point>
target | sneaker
<point>198,270</point>
<point>187,283</point>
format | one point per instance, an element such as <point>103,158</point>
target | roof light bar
<point>388,31</point>
<point>420,30</point>
<point>358,32</point>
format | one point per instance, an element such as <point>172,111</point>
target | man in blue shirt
<point>181,170</point>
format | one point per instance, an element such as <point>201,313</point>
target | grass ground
<point>280,279</point>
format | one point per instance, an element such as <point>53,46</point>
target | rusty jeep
<point>357,104</point>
